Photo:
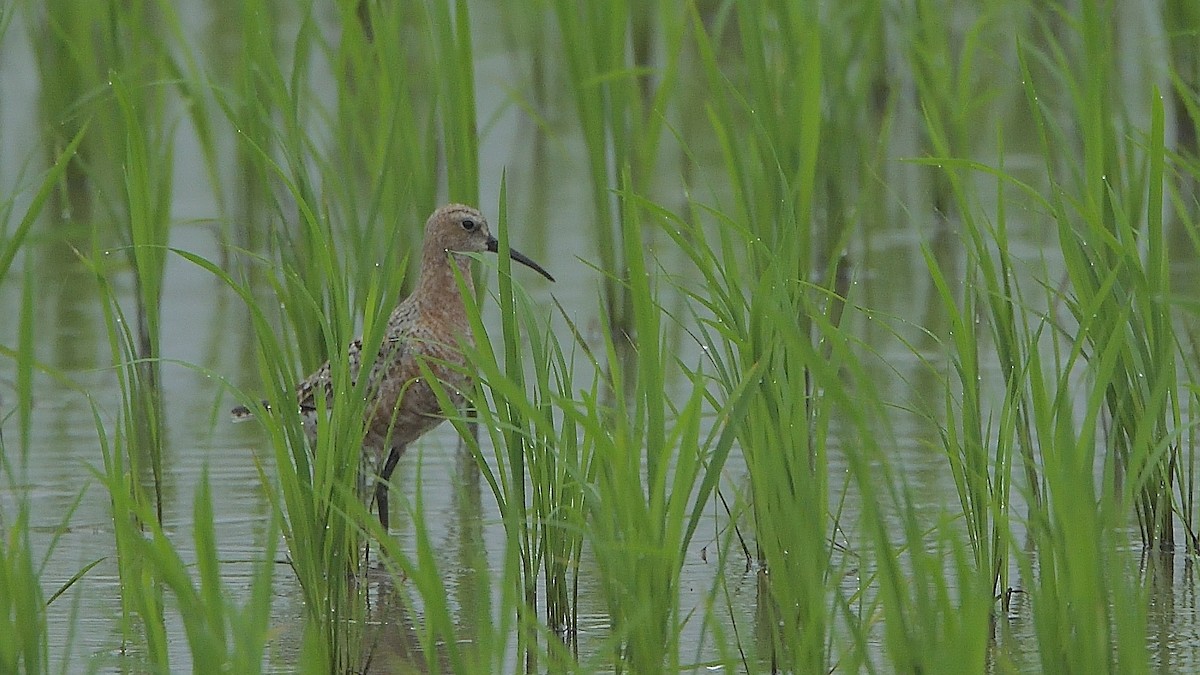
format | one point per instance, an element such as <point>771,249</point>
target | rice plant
<point>879,316</point>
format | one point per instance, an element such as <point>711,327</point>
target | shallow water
<point>204,326</point>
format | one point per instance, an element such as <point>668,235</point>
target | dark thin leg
<point>381,485</point>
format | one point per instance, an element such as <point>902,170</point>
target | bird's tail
<point>242,413</point>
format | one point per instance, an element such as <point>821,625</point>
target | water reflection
<point>391,643</point>
<point>1174,634</point>
<point>204,323</point>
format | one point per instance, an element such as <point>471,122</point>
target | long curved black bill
<point>494,246</point>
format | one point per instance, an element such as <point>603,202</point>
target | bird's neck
<point>437,272</point>
<point>437,289</point>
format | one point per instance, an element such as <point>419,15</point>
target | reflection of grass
<point>24,646</point>
<point>1059,405</point>
<point>22,607</point>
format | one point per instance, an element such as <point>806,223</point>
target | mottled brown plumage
<point>429,325</point>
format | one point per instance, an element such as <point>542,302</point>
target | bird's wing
<point>321,382</point>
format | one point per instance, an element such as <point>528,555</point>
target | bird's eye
<point>469,225</point>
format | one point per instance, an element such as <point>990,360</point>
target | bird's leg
<point>382,483</point>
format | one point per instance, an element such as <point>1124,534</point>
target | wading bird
<point>429,326</point>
